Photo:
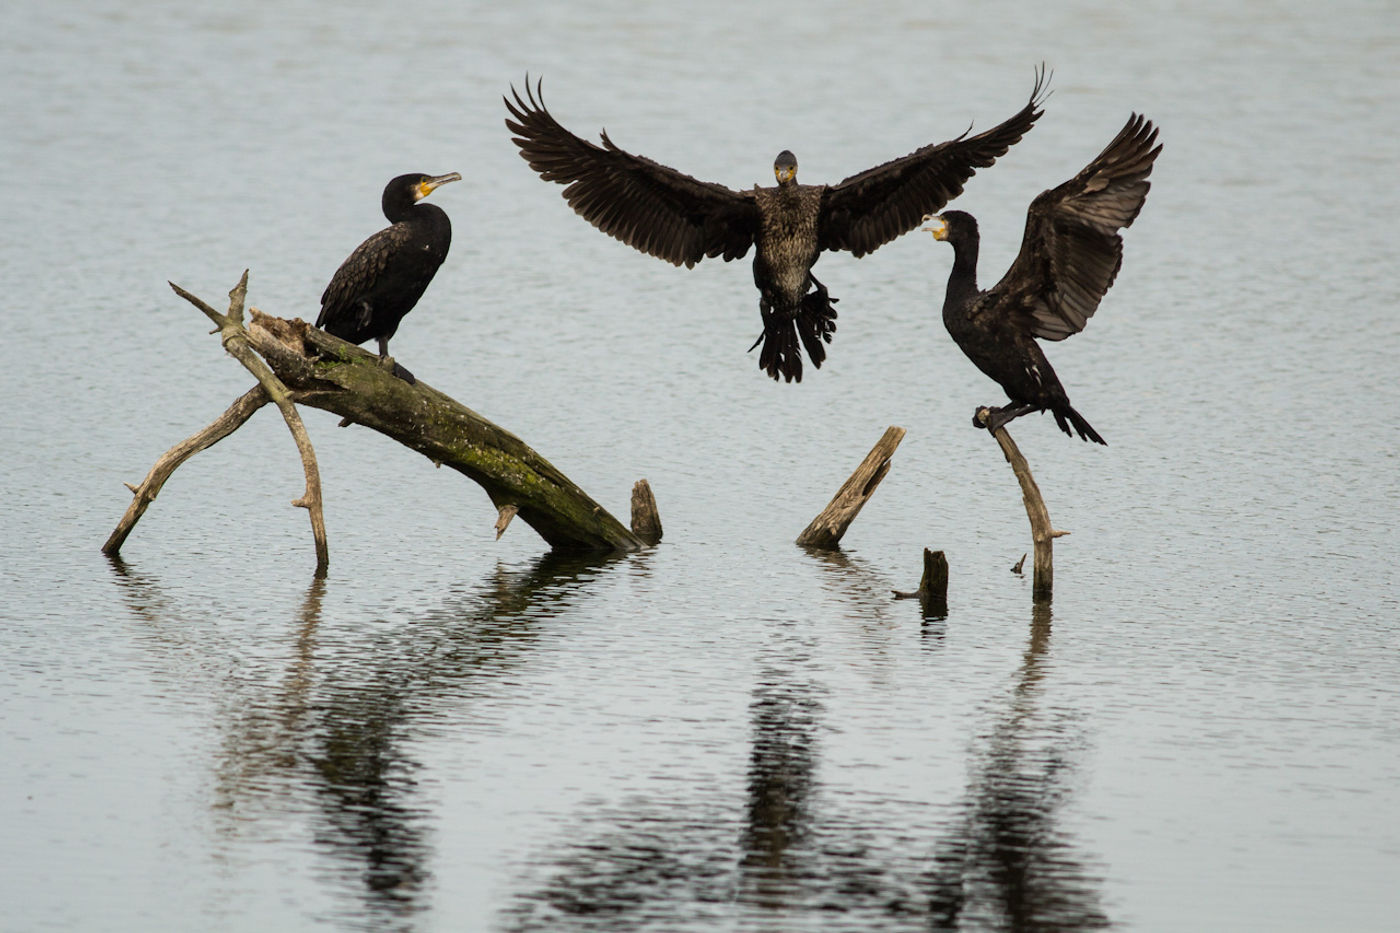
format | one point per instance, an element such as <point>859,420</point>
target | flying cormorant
<point>680,219</point>
<point>385,276</point>
<point>1069,256</point>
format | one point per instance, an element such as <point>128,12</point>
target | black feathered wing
<point>866,211</point>
<point>341,305</point>
<point>647,205</point>
<point>1071,251</point>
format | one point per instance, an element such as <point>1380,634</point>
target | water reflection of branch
<point>367,788</point>
<point>1005,865</point>
<point>854,582</point>
<point>782,764</point>
<point>672,862</point>
<point>336,724</point>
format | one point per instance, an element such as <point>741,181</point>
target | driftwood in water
<point>1043,533</point>
<point>933,585</point>
<point>826,529</point>
<point>298,364</point>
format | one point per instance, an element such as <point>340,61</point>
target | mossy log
<point>296,363</point>
<point>326,372</point>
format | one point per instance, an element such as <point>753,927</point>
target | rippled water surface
<point>450,732</point>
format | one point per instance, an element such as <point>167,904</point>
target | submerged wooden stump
<point>646,520</point>
<point>296,363</point>
<point>933,586</point>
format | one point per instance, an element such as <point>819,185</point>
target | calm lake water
<point>726,732</point>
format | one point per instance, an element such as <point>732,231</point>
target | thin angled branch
<point>1043,533</point>
<point>143,495</point>
<point>235,340</point>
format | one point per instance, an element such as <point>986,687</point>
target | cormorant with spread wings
<point>680,219</point>
<point>1070,255</point>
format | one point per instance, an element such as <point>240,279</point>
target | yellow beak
<point>936,225</point>
<point>428,185</point>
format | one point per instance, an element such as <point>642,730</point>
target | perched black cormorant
<point>385,276</point>
<point>680,219</point>
<point>1069,256</point>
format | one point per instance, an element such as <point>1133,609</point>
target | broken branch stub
<point>933,586</point>
<point>646,520</point>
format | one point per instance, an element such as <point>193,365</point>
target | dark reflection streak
<point>654,864</point>
<point>338,727</point>
<point>366,781</point>
<point>782,765</point>
<point>261,738</point>
<point>1004,864</point>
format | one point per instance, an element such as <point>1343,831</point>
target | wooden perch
<point>296,363</point>
<point>933,586</point>
<point>826,529</point>
<point>1043,533</point>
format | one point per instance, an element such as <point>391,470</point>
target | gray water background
<point>725,732</point>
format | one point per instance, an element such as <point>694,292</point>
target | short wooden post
<point>646,519</point>
<point>933,586</point>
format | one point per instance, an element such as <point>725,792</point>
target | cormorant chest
<point>423,242</point>
<point>786,245</point>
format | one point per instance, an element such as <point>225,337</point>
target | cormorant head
<point>401,193</point>
<point>949,225</point>
<point>785,167</point>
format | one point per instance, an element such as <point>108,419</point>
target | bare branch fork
<point>1043,533</point>
<point>296,363</point>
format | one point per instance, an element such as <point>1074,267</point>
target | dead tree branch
<point>235,340</point>
<point>296,363</point>
<point>326,372</point>
<point>646,520</point>
<point>143,495</point>
<point>826,529</point>
<point>1043,533</point>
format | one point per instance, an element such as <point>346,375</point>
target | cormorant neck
<point>962,281</point>
<point>398,208</point>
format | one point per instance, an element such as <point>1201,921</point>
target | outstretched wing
<point>1071,251</point>
<point>645,204</point>
<point>866,211</point>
